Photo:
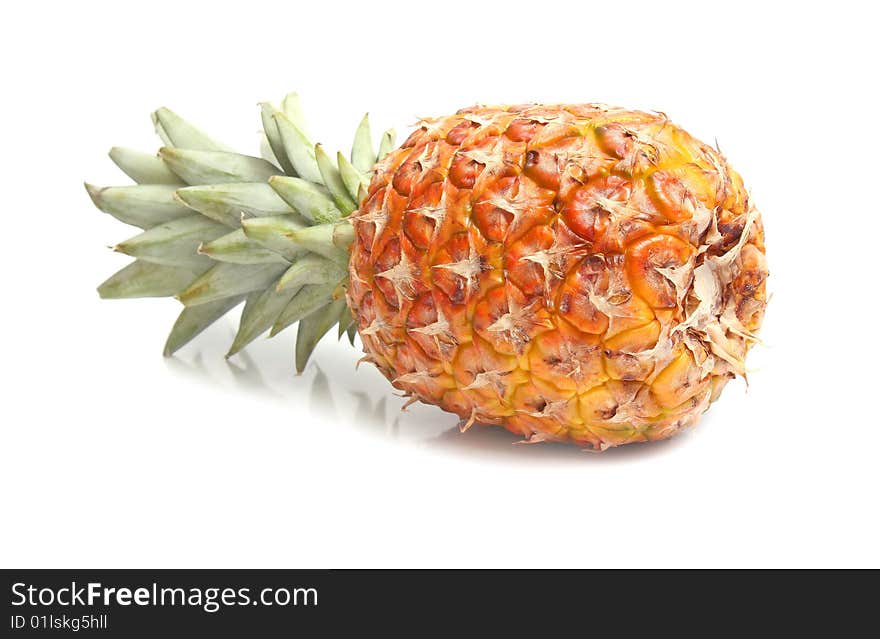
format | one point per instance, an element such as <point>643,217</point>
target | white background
<point>114,456</point>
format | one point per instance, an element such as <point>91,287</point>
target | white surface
<point>113,456</point>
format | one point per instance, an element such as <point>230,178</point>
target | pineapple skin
<point>577,273</point>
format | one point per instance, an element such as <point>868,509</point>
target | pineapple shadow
<point>482,440</point>
<point>320,393</point>
<point>200,361</point>
<point>244,372</point>
<point>364,400</point>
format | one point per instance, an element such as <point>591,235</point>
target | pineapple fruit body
<point>578,273</point>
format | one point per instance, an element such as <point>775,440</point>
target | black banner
<point>256,603</point>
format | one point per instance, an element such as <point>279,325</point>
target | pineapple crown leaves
<point>220,228</point>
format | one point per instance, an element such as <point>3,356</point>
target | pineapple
<point>577,273</point>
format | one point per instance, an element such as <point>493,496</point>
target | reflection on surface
<point>320,394</point>
<point>330,386</point>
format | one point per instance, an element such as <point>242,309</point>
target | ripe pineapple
<point>577,273</point>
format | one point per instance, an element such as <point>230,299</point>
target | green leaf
<point>143,168</point>
<point>174,243</point>
<point>175,131</point>
<point>362,155</point>
<point>238,248</point>
<point>213,167</point>
<point>275,234</point>
<point>319,239</point>
<point>343,236</point>
<point>386,144</point>
<point>270,128</point>
<point>226,202</point>
<point>311,269</point>
<point>226,280</point>
<point>144,205</point>
<point>259,316</point>
<point>309,200</point>
<point>306,301</point>
<point>292,108</point>
<point>312,329</point>
<point>351,177</point>
<point>145,279</point>
<point>194,319</point>
<point>299,149</point>
<point>346,320</point>
<point>333,181</point>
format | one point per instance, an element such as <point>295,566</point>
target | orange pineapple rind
<point>575,273</point>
